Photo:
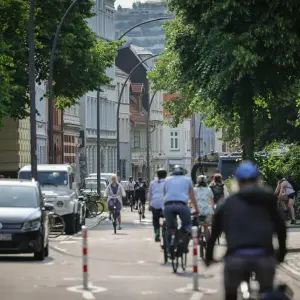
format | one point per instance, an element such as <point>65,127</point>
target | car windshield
<point>48,177</point>
<point>92,184</point>
<point>18,196</point>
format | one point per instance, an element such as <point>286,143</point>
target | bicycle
<point>94,197</point>
<point>140,209</point>
<point>163,240</point>
<point>56,225</point>
<point>176,248</point>
<point>113,216</point>
<point>131,201</point>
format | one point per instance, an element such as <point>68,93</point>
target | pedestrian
<point>156,201</point>
<point>115,193</point>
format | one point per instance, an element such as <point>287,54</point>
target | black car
<point>23,219</point>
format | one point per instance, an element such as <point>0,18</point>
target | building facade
<point>149,36</point>
<point>103,25</point>
<point>125,142</point>
<point>41,123</point>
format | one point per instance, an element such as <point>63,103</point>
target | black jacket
<point>249,219</point>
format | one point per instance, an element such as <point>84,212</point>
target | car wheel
<point>40,255</point>
<point>70,224</point>
<point>46,250</point>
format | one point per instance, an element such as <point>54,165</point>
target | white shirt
<point>203,196</point>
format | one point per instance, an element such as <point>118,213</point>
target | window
<point>137,139</point>
<point>174,140</point>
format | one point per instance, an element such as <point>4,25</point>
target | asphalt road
<point>127,265</point>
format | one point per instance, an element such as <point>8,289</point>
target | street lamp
<point>118,109</point>
<point>50,101</point>
<point>31,76</point>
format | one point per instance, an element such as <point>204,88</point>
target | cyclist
<point>218,188</point>
<point>249,218</point>
<point>178,190</point>
<point>115,191</point>
<point>140,192</point>
<point>156,200</point>
<point>130,190</point>
<point>204,197</point>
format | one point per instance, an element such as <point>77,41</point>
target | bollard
<point>84,231</point>
<point>195,257</point>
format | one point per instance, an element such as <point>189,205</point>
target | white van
<point>59,188</point>
<point>106,176</point>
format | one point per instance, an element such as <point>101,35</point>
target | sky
<point>124,3</point>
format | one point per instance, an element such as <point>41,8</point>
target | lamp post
<point>148,137</point>
<point>50,100</point>
<point>98,144</point>
<point>31,76</point>
<point>118,109</point>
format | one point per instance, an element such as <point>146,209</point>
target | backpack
<point>218,191</point>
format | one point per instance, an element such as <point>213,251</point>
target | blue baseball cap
<point>247,171</point>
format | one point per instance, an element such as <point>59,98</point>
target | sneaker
<point>143,217</point>
<point>157,238</point>
<point>293,222</point>
<point>120,228</point>
<point>109,218</point>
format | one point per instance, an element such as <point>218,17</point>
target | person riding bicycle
<point>249,219</point>
<point>140,193</point>
<point>130,190</point>
<point>218,188</point>
<point>156,200</point>
<point>205,200</point>
<point>178,190</point>
<point>115,192</point>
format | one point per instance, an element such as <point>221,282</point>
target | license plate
<point>5,237</point>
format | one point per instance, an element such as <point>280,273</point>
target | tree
<point>236,56</point>
<point>80,61</point>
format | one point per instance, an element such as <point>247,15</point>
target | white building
<point>177,146</point>
<point>103,25</point>
<point>125,143</point>
<point>41,123</point>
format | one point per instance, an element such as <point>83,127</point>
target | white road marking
<point>60,249</point>
<point>88,295</point>
<point>68,242</point>
<point>72,279</point>
<point>196,296</point>
<point>189,289</point>
<point>148,293</point>
<point>141,262</point>
<point>135,277</point>
<point>50,263</point>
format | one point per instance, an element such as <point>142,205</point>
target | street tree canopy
<point>80,63</point>
<point>231,58</point>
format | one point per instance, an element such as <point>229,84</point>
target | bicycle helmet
<point>201,178</point>
<point>247,171</point>
<point>161,173</point>
<point>178,170</point>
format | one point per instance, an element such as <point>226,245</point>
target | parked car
<point>24,223</point>
<point>58,185</point>
<point>90,186</point>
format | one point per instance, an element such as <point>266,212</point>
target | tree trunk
<point>247,127</point>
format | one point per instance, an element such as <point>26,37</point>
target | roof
<point>18,182</point>
<point>140,50</point>
<point>120,72</point>
<point>45,167</point>
<point>137,87</point>
<point>136,117</point>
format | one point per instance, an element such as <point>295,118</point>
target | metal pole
<point>50,101</point>
<point>98,144</point>
<point>148,138</point>
<point>199,136</point>
<point>195,257</point>
<point>31,76</point>
<point>84,231</point>
<point>118,109</point>
<point>146,22</point>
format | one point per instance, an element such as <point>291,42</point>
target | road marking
<point>50,263</point>
<point>196,296</point>
<point>135,277</point>
<point>68,242</point>
<point>148,293</point>
<point>60,249</point>
<point>88,295</point>
<point>141,262</point>
<point>189,289</point>
<point>72,279</point>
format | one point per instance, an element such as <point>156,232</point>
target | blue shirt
<point>177,188</point>
<point>157,194</point>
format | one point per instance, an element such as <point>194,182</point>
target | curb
<point>295,274</point>
<point>293,250</point>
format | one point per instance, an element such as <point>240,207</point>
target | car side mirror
<point>74,186</point>
<point>48,206</point>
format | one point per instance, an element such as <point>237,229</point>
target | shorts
<point>111,206</point>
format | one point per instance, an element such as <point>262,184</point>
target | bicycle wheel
<point>56,226</point>
<point>131,203</point>
<point>164,244</point>
<point>202,248</point>
<point>140,210</point>
<point>114,221</point>
<point>183,261</point>
<point>100,207</point>
<point>92,209</point>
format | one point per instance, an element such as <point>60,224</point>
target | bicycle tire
<point>202,249</point>
<point>57,226</point>
<point>92,209</point>
<point>131,204</point>
<point>114,221</point>
<point>140,211</point>
<point>164,244</point>
<point>100,207</point>
<point>183,261</point>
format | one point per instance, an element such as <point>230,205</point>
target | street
<point>126,265</point>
